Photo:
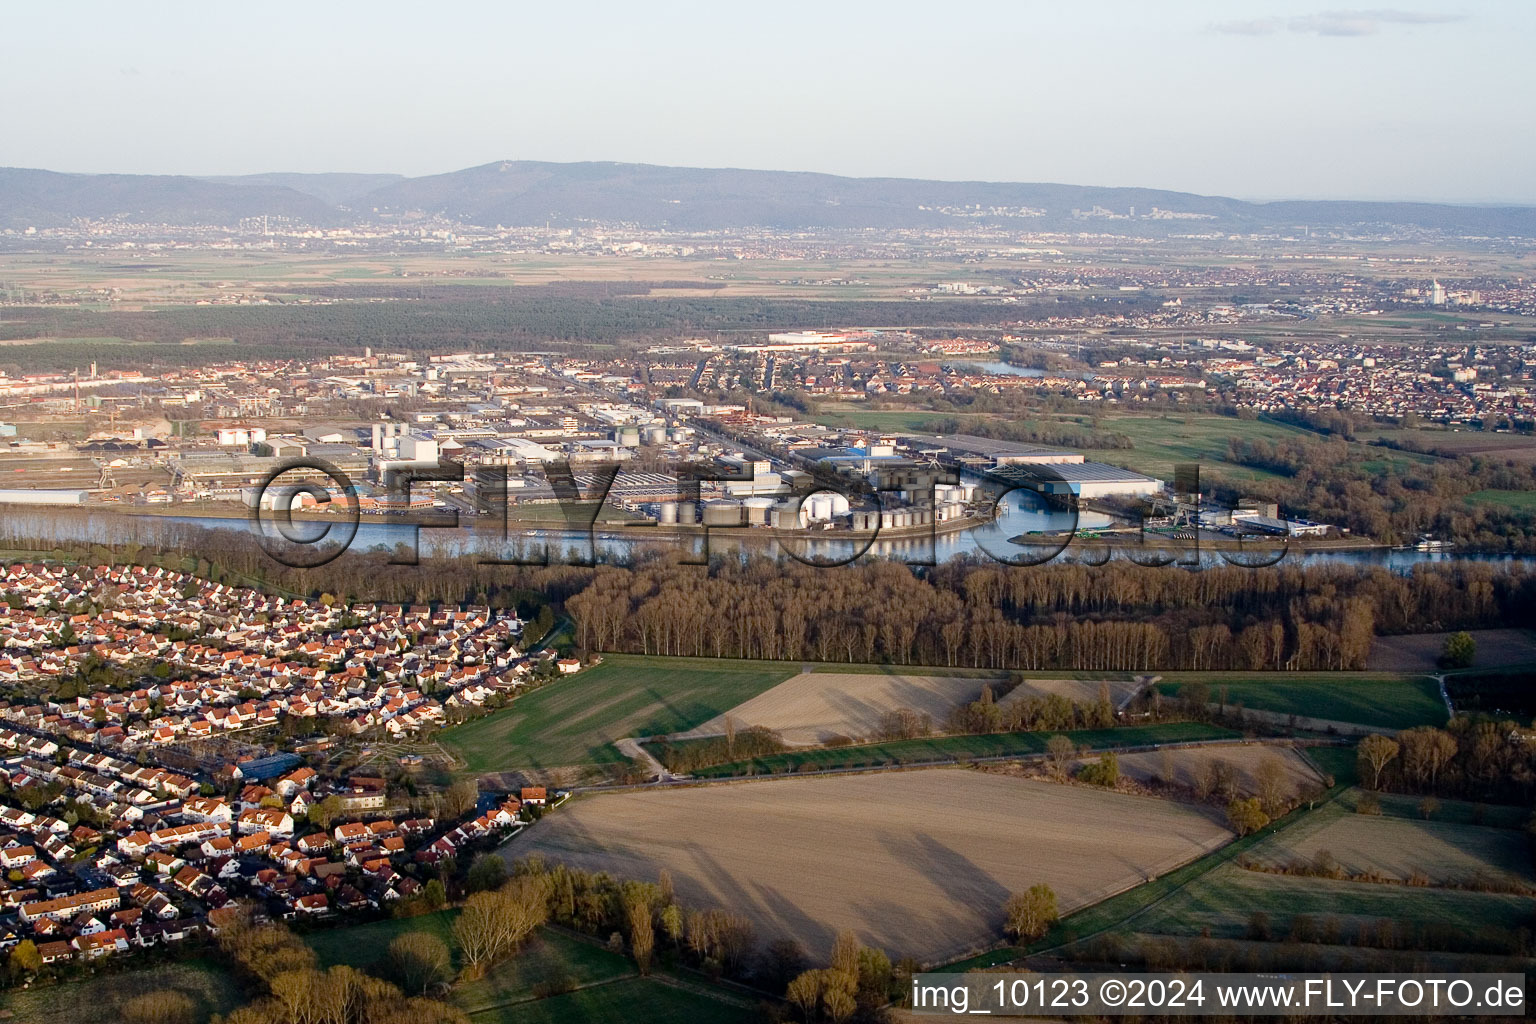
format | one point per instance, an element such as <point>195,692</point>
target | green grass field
<point>1222,901</point>
<point>361,945</point>
<point>550,956</point>
<point>916,421</point>
<point>637,1000</point>
<point>938,748</point>
<point>1373,699</point>
<point>99,997</point>
<point>1340,762</point>
<point>1520,501</point>
<point>1453,812</point>
<point>575,721</point>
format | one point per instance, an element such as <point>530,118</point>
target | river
<point>1048,531</point>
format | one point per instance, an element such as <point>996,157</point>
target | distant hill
<point>522,192</point>
<point>30,198</point>
<point>334,189</point>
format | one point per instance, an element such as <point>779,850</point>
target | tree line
<point>1119,616</point>
<point>1472,757</point>
<point>1387,498</point>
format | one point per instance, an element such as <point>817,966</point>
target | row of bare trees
<point>1119,616</point>
<point>1475,758</point>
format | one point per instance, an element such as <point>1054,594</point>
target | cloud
<point>1334,23</point>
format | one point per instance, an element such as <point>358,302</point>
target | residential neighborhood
<point>170,751</point>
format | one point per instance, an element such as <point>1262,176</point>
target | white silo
<point>758,510</point>
<point>667,514</point>
<point>687,513</point>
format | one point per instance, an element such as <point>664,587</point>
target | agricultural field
<point>1084,690</point>
<point>812,707</point>
<point>815,707</point>
<point>1377,700</point>
<point>1223,900</point>
<point>208,984</point>
<point>961,748</point>
<point>574,722</point>
<point>1420,652</point>
<point>1455,443</point>
<point>1184,767</point>
<point>918,863</point>
<point>1397,848</point>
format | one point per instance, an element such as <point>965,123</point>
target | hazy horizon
<point>805,170</point>
<point>1418,102</point>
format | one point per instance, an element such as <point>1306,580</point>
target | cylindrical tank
<point>654,435</point>
<point>627,436</point>
<point>722,513</point>
<point>758,510</point>
<point>679,433</point>
<point>887,520</point>
<point>839,505</point>
<point>819,508</point>
<point>667,515</point>
<point>687,512</point>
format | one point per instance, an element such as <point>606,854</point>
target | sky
<point>1257,99</point>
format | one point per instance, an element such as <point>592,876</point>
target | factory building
<point>1082,479</point>
<point>25,496</point>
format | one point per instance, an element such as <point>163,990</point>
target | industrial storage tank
<point>654,435</point>
<point>758,510</point>
<point>863,520</point>
<point>627,436</point>
<point>785,515</point>
<point>818,508</point>
<point>667,514</point>
<point>722,513</point>
<point>680,433</point>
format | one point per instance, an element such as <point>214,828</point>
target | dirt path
<point>632,748</point>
